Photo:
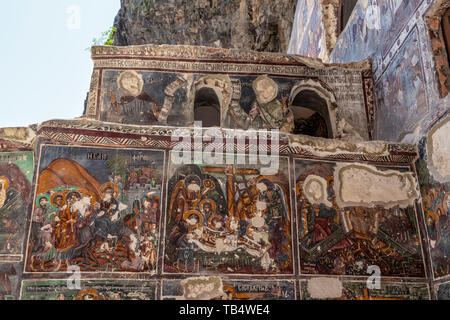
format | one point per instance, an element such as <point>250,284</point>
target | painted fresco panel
<point>16,175</point>
<point>10,274</point>
<point>443,291</point>
<point>206,232</point>
<point>436,208</point>
<point>89,290</point>
<point>237,290</point>
<point>346,241</point>
<point>353,290</point>
<point>401,92</point>
<point>96,208</point>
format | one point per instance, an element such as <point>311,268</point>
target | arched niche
<point>315,109</point>
<point>207,107</point>
<point>212,95</point>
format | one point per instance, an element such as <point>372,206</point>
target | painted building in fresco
<point>248,175</point>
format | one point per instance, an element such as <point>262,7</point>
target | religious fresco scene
<point>228,219</point>
<point>98,209</point>
<point>354,290</point>
<point>233,290</point>
<point>89,290</point>
<point>352,97</point>
<point>10,275</point>
<point>436,210</point>
<point>335,240</point>
<point>16,175</point>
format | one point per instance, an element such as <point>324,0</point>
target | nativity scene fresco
<point>228,219</point>
<point>98,209</point>
<point>346,241</point>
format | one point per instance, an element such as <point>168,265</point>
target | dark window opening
<point>446,31</point>
<point>207,108</point>
<point>345,11</point>
<point>311,115</point>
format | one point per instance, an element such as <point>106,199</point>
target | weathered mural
<point>308,33</point>
<point>228,219</point>
<point>103,289</point>
<point>16,175</point>
<point>229,289</point>
<point>401,92</point>
<point>443,291</point>
<point>336,240</point>
<point>436,208</point>
<point>10,274</point>
<point>98,209</point>
<point>353,290</point>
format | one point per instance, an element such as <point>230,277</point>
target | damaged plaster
<point>367,186</point>
<point>439,151</point>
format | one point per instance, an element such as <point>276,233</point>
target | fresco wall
<point>114,209</point>
<point>159,85</point>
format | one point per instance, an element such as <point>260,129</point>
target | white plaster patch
<point>438,148</point>
<point>202,288</point>
<point>315,189</point>
<point>366,186</point>
<point>325,288</point>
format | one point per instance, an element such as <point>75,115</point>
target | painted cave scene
<point>16,175</point>
<point>355,290</point>
<point>228,219</point>
<point>337,240</point>
<point>229,289</point>
<point>104,289</point>
<point>98,209</point>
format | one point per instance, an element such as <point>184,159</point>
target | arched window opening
<point>311,115</point>
<point>345,11</point>
<point>207,108</point>
<point>446,31</point>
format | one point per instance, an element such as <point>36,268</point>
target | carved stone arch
<point>319,99</point>
<point>214,87</point>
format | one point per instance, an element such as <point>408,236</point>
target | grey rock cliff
<point>259,25</point>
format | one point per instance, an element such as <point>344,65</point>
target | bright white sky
<point>45,69</point>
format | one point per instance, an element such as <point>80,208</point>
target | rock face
<point>245,24</point>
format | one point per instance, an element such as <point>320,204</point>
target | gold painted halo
<point>89,291</point>
<point>110,185</point>
<point>262,84</point>
<point>131,82</point>
<point>62,194</point>
<point>193,212</point>
<point>210,222</point>
<point>5,182</point>
<point>211,202</point>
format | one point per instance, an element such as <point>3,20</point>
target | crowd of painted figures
<point>248,234</point>
<point>73,227</point>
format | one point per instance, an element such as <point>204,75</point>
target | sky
<point>45,67</point>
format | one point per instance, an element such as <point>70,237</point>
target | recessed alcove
<point>207,107</point>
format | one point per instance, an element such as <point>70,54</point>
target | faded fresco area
<point>98,209</point>
<point>10,274</point>
<point>89,290</point>
<point>231,290</point>
<point>345,241</point>
<point>443,291</point>
<point>228,219</point>
<point>401,92</point>
<point>245,102</point>
<point>352,290</point>
<point>16,175</point>
<point>436,208</point>
<point>308,33</point>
